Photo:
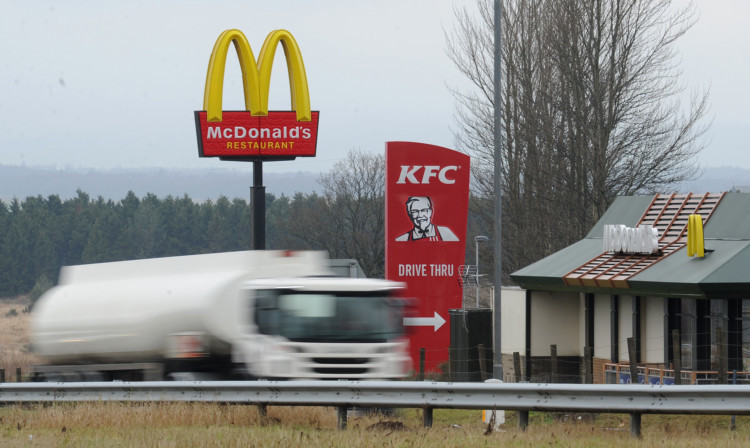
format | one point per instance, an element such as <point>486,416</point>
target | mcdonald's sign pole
<point>256,134</point>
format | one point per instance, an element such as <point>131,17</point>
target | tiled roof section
<point>667,213</point>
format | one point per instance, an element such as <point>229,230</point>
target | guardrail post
<point>523,420</point>
<point>342,417</point>
<point>635,425</point>
<point>18,375</point>
<point>263,410</point>
<point>427,417</point>
<point>2,375</point>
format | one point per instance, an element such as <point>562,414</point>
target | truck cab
<point>325,328</point>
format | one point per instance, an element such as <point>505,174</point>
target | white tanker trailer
<point>235,315</point>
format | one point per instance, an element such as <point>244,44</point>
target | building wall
<point>555,319</point>
<point>560,318</point>
<point>513,328</point>
<point>602,326</point>
<point>581,324</point>
<point>652,330</point>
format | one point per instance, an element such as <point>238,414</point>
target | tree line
<point>346,219</point>
<point>41,234</point>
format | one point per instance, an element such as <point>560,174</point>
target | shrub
<point>43,283</point>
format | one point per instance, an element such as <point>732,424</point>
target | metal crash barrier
<point>522,397</point>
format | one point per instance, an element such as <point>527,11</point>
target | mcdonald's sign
<point>256,133</point>
<point>695,244</point>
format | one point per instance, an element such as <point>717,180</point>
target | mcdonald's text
<point>240,134</point>
<point>254,133</point>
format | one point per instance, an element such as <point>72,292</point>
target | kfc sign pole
<point>256,134</point>
<point>427,200</point>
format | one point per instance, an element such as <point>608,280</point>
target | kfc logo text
<point>411,174</point>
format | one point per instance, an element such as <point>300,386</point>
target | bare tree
<point>591,110</point>
<point>348,219</point>
<point>354,192</point>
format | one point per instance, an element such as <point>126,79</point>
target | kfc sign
<point>409,174</point>
<point>427,200</point>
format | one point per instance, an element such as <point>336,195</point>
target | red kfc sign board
<point>426,210</point>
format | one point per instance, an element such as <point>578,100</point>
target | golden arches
<point>256,77</point>
<point>695,244</point>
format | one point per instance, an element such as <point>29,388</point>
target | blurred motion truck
<point>234,315</point>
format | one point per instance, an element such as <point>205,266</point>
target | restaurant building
<point>590,298</point>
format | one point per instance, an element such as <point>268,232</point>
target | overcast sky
<point>98,84</point>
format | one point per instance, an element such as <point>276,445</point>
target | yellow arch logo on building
<point>695,244</point>
<point>256,77</point>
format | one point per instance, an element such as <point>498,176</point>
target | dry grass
<point>14,337</point>
<point>211,425</point>
<point>205,424</point>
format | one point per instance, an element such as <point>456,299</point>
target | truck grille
<point>336,361</point>
<point>340,370</point>
<point>341,360</point>
<point>341,366</point>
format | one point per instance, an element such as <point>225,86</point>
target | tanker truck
<point>233,315</point>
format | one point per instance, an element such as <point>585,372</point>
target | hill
<point>22,181</point>
<point>718,179</point>
<point>202,184</point>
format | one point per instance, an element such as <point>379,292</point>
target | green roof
<point>625,210</point>
<point>722,273</point>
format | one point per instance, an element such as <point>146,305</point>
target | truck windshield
<point>307,316</point>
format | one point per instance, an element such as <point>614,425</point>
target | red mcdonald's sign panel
<point>256,133</point>
<point>426,210</point>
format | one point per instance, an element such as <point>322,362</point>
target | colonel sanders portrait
<point>420,211</point>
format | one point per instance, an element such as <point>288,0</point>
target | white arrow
<point>436,321</point>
